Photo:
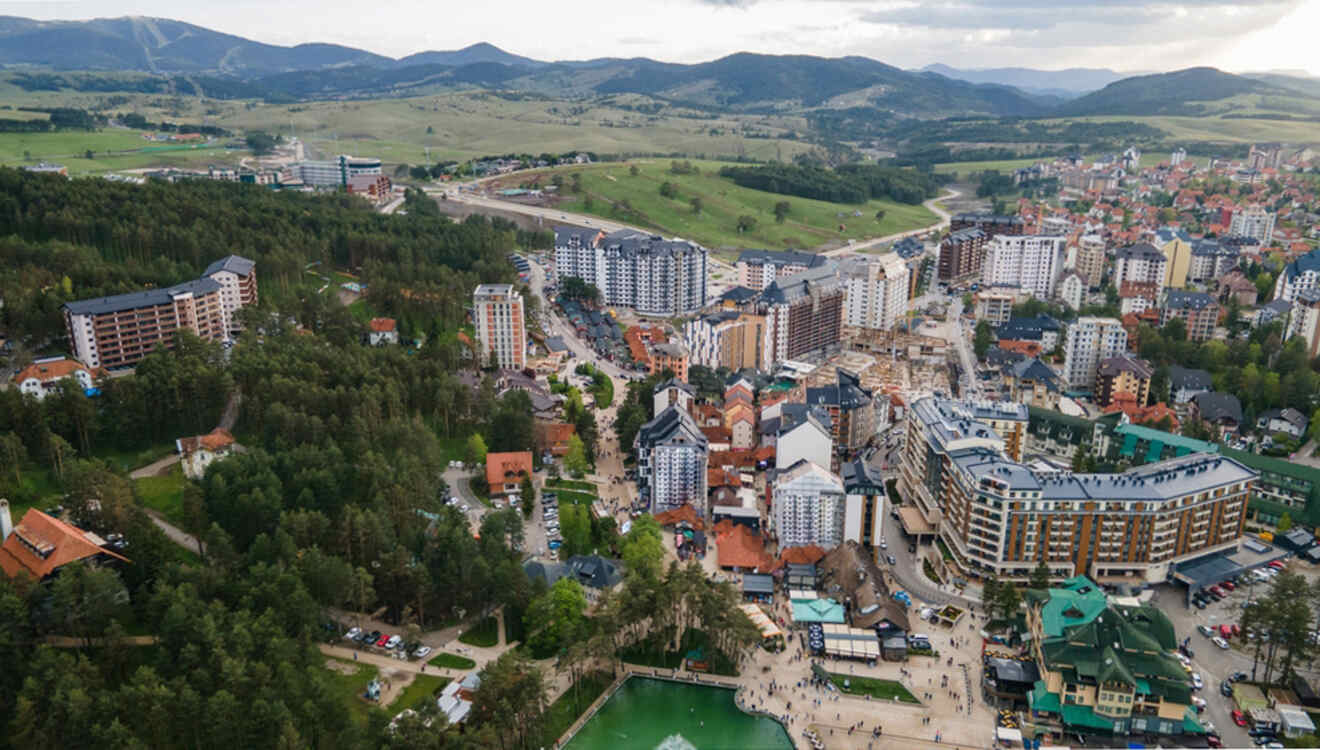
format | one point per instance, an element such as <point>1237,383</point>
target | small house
<point>200,451</point>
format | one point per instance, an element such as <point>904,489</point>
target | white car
<point>393,642</point>
<point>1220,642</point>
<point>352,634</point>
<point>422,652</point>
<point>1197,683</point>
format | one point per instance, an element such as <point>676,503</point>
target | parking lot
<point>1213,663</point>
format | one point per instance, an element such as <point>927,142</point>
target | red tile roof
<point>215,440</point>
<point>684,512</point>
<point>739,547</point>
<point>808,555</point>
<point>507,467</point>
<point>382,325</point>
<point>40,544</point>
<point>48,371</point>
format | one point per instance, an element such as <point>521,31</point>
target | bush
<point>451,661</point>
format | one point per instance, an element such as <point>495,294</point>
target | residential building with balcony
<point>1253,221</point>
<point>647,273</point>
<point>1141,263</point>
<point>851,409</point>
<point>1030,263</point>
<point>962,254</point>
<point>671,462</point>
<point>1090,341</point>
<point>1198,311</point>
<point>497,315</point>
<point>803,316</point>
<point>728,338</point>
<point>999,516</point>
<point>117,332</point>
<point>808,507</point>
<point>758,268</point>
<point>1123,374</point>
<point>876,292</point>
<point>237,277</point>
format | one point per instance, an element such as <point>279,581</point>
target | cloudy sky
<point>1126,35</point>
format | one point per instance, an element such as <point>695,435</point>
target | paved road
<point>933,205</point>
<point>176,534</point>
<point>958,337</point>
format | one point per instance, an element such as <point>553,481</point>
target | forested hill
<point>1182,92</point>
<point>109,238</point>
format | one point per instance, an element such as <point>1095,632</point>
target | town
<point>454,400</point>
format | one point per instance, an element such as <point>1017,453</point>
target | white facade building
<point>337,172</point>
<point>238,287</point>
<point>671,462</point>
<point>1090,341</point>
<point>803,434</point>
<point>650,274</point>
<point>1029,262</point>
<point>876,292</point>
<point>809,507</point>
<point>1071,290</point>
<point>1141,263</point>
<point>1253,221</point>
<point>497,313</point>
<point>43,376</point>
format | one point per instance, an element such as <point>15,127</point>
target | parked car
<point>1212,740</point>
<point>393,642</point>
<point>1197,683</point>
<point>1220,642</point>
<point>372,637</point>
<point>1238,676</point>
<point>892,560</point>
<point>1239,718</point>
<point>1227,585</point>
<point>352,634</point>
<point>381,641</point>
<point>1226,689</point>
<point>422,652</point>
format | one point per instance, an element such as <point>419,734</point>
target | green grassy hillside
<point>809,224</point>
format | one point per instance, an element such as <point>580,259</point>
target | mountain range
<point>227,65</point>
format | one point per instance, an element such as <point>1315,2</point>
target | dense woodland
<point>337,504</point>
<point>850,183</point>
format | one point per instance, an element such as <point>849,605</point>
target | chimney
<point>6,522</point>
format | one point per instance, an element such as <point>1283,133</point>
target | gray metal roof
<point>1139,251</point>
<point>792,288</point>
<point>1182,378</point>
<point>1158,481</point>
<point>232,263</point>
<point>671,426</point>
<point>145,298</point>
<point>782,258</point>
<point>1215,406</point>
<point>1177,299</point>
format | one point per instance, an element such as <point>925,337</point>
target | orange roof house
<point>40,545</point>
<point>553,436</point>
<point>382,325</point>
<point>739,547</point>
<point>200,451</point>
<point>684,513</point>
<point>505,471</point>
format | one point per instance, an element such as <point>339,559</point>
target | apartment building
<point>1088,342</point>
<point>1031,263</point>
<point>994,306</point>
<point>497,314</point>
<point>1302,273</point>
<point>876,292</point>
<point>851,409</point>
<point>671,462</point>
<point>1176,245</point>
<point>727,338</point>
<point>999,516</point>
<point>803,315</point>
<point>864,514</point>
<point>116,332</point>
<point>1198,311</point>
<point>647,273</point>
<point>1141,263</point>
<point>1091,259</point>
<point>1253,221</point>
<point>1123,374</point>
<point>1211,260</point>
<point>962,254</point>
<point>991,224</point>
<point>808,507</point>
<point>757,268</point>
<point>237,277</point>
<point>1304,320</point>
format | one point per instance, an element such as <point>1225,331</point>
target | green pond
<point>661,715</point>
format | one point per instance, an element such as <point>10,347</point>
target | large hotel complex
<point>998,515</point>
<point>118,331</point>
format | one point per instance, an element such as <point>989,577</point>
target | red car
<point>1239,718</point>
<point>1216,591</point>
<point>1237,630</point>
<point>380,642</point>
<point>1276,565</point>
<point>1229,585</point>
<point>1225,631</point>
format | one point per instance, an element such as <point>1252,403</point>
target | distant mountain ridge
<point>1071,81</point>
<point>859,88</point>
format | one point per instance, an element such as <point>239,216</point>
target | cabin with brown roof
<point>41,544</point>
<point>200,451</point>
<point>505,472</point>
<point>381,331</point>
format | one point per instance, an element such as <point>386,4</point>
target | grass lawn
<point>349,683</point>
<point>572,497</point>
<point>880,689</point>
<point>452,661</point>
<point>111,149</point>
<point>129,460</point>
<point>164,493</point>
<point>573,703</point>
<point>810,223</point>
<point>423,686</point>
<point>484,633</point>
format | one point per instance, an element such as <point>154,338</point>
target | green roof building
<point>1283,487</point>
<point>1143,445</point>
<point>1106,669</point>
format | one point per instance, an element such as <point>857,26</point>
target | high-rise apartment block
<point>118,331</point>
<point>803,315</point>
<point>1141,263</point>
<point>1090,341</point>
<point>1253,221</point>
<point>998,516</point>
<point>1091,259</point>
<point>650,274</point>
<point>671,462</point>
<point>876,292</point>
<point>497,313</point>
<point>962,254</point>
<point>757,268</point>
<point>1031,263</point>
<point>727,338</point>
<point>808,506</point>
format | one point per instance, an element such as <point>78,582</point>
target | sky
<point>1124,35</point>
